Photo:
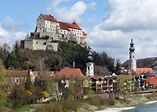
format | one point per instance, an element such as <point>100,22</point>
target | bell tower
<point>132,64</point>
<point>90,65</point>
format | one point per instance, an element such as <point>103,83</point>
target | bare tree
<point>40,65</point>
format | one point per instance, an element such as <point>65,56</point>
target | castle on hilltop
<point>48,30</point>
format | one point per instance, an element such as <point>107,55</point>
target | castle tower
<point>132,57</point>
<point>90,65</point>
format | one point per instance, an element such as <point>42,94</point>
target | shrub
<point>108,102</point>
<point>52,107</point>
<point>94,100</point>
<point>152,96</point>
<point>17,105</point>
<point>70,105</point>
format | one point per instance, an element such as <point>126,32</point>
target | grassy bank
<point>91,104</point>
<point>135,100</point>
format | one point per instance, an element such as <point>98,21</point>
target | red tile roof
<point>23,73</point>
<point>143,70</point>
<point>152,80</point>
<point>98,77</point>
<point>70,72</point>
<point>63,25</point>
<point>66,26</point>
<point>74,25</point>
<point>51,73</point>
<point>49,18</point>
<point>102,77</point>
<point>17,73</point>
<point>84,34</point>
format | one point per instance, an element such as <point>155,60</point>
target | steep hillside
<point>28,59</point>
<point>75,53</point>
<point>103,63</point>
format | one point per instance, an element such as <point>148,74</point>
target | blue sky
<point>110,24</point>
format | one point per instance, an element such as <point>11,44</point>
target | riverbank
<point>95,103</point>
<point>124,108</point>
<point>137,100</point>
<point>115,109</point>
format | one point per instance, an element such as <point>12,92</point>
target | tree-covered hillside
<point>27,59</point>
<point>103,63</point>
<point>48,60</point>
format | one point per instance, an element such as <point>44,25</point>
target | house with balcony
<point>104,83</point>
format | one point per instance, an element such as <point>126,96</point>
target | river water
<point>148,107</point>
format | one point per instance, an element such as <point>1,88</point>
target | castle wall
<point>28,44</point>
<point>40,44</point>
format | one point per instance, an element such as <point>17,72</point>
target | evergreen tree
<point>28,84</point>
<point>118,67</point>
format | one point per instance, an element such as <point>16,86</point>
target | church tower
<point>90,65</point>
<point>132,57</point>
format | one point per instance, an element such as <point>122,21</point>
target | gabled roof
<point>66,26</point>
<point>63,25</point>
<point>102,77</point>
<point>152,80</point>
<point>84,34</point>
<point>98,77</point>
<point>143,70</point>
<point>49,18</point>
<point>69,72</point>
<point>23,73</point>
<point>16,73</point>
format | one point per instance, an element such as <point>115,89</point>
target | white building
<point>47,25</point>
<point>133,65</point>
<point>90,65</point>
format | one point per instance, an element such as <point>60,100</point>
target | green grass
<point>51,107</point>
<point>25,108</point>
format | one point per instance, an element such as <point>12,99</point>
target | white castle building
<point>47,25</point>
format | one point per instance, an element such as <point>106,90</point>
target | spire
<point>132,63</point>
<point>132,46</point>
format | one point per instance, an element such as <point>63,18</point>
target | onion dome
<point>131,46</point>
<point>90,57</point>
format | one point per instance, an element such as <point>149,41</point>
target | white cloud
<point>69,13</point>
<point>11,37</point>
<point>10,25</point>
<point>131,15</point>
<point>8,34</point>
<point>92,19</point>
<point>127,19</point>
<point>92,5</point>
